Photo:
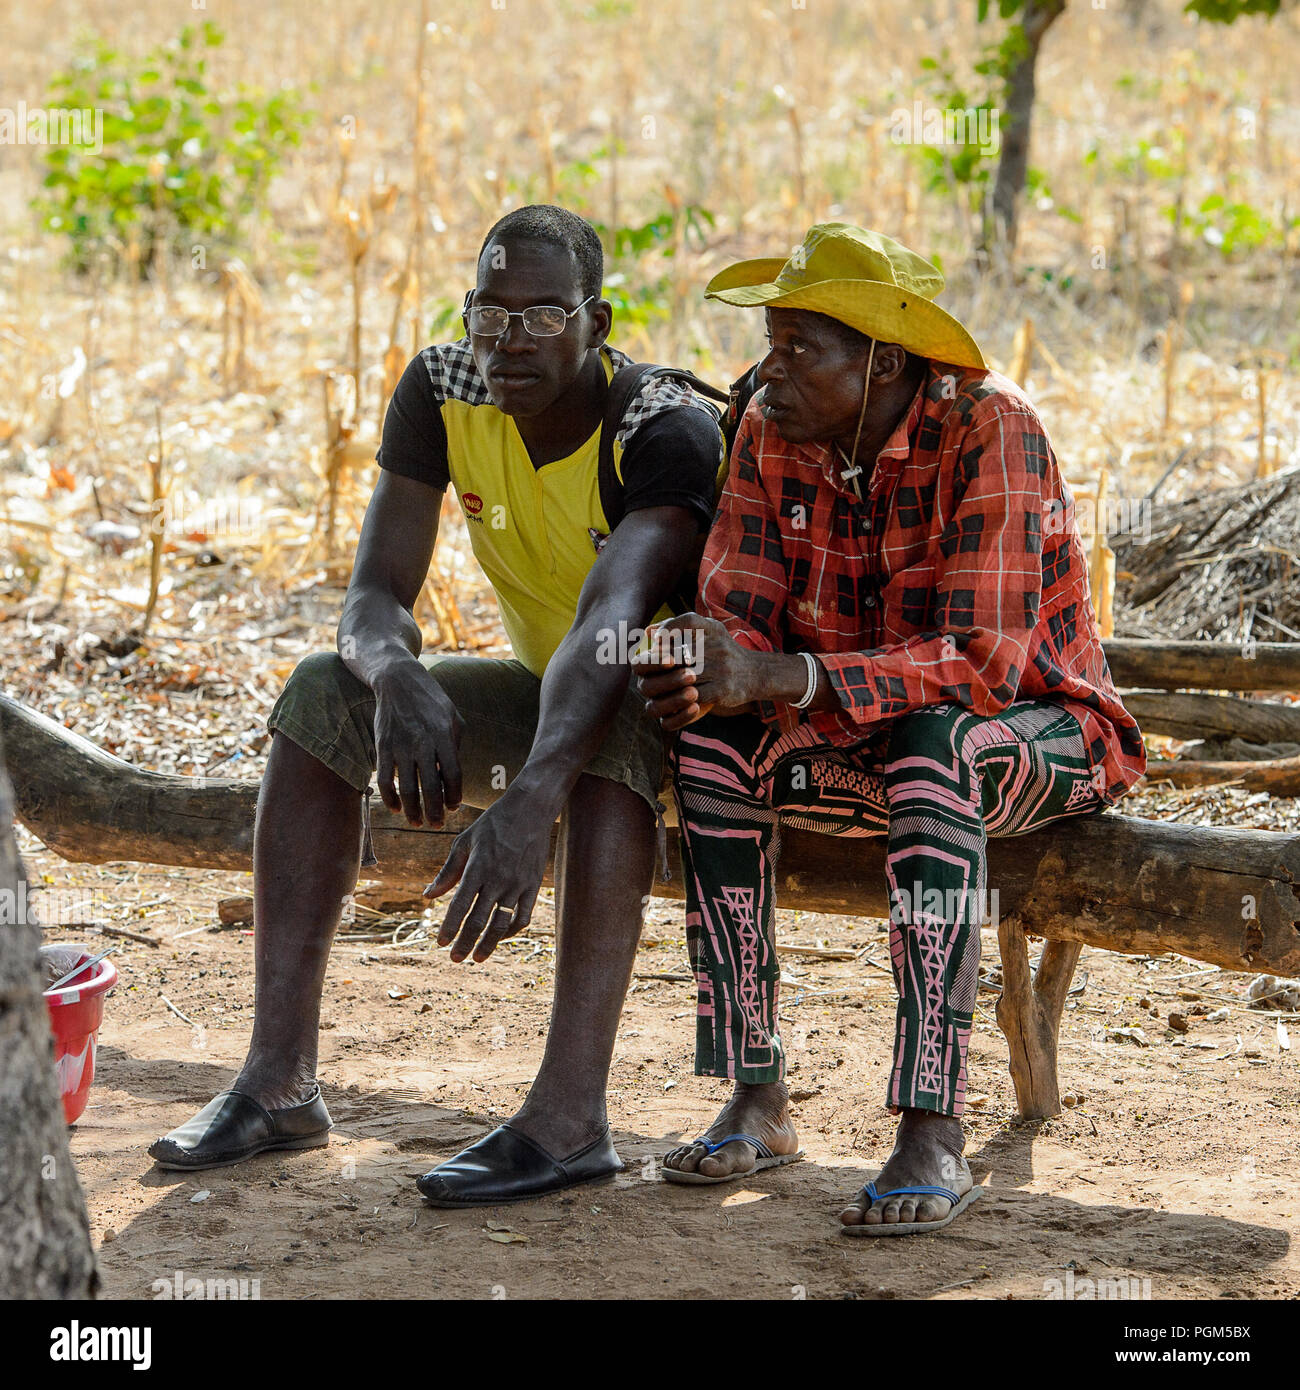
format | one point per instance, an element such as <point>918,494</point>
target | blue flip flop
<point>766,1159</point>
<point>913,1228</point>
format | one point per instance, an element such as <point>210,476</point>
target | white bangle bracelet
<point>812,682</point>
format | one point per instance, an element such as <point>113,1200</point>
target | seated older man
<point>896,638</point>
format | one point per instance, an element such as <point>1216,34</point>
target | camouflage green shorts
<point>328,712</point>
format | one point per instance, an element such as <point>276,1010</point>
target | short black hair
<point>558,227</point>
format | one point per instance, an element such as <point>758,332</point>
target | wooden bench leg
<point>1029,1014</point>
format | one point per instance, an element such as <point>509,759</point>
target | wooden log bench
<point>1224,896</point>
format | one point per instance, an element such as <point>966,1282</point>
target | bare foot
<point>927,1153</point>
<point>762,1111</point>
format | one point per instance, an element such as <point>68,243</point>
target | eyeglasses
<point>541,320</point>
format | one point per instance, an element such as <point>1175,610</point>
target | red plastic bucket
<point>76,1011</point>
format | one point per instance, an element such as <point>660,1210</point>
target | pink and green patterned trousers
<point>937,782</point>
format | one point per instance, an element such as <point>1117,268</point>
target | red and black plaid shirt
<point>959,577</point>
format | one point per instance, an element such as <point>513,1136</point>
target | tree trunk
<point>1017,117</point>
<point>1029,1014</point>
<point>45,1250</point>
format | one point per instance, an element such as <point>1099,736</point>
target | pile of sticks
<point>1220,566</point>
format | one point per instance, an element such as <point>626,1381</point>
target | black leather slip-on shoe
<point>232,1127</point>
<point>507,1166</point>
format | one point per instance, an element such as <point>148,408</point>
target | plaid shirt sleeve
<point>987,585</point>
<point>743,581</point>
<point>742,575</point>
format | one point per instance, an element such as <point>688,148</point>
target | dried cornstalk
<point>1264,468</point>
<point>1173,341</point>
<point>157,525</point>
<point>241,304</point>
<point>1101,562</point>
<point>1022,352</point>
<point>446,611</point>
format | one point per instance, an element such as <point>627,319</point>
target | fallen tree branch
<point>1280,777</point>
<point>1188,716</point>
<point>1203,665</point>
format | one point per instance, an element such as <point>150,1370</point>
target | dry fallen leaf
<point>507,1237</point>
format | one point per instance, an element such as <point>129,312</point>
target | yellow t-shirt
<point>536,531</point>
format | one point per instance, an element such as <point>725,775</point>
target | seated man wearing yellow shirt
<point>510,416</point>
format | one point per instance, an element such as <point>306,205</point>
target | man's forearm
<point>376,636</point>
<point>782,679</point>
<point>580,697</point>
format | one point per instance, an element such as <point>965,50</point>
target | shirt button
<point>870,600</point>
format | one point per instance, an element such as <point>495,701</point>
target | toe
<point>907,1209</point>
<point>687,1158</point>
<point>735,1158</point>
<point>873,1213</point>
<point>933,1209</point>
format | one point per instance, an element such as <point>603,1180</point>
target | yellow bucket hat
<point>863,279</point>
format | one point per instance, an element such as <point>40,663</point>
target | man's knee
<point>321,673</point>
<point>741,733</point>
<point>609,814</point>
<point>930,735</point>
<point>328,713</point>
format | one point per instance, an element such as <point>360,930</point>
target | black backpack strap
<point>623,385</point>
<point>741,393</point>
<point>697,384</point>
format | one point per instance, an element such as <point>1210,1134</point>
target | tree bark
<point>1017,118</point>
<point>1188,716</point>
<point>1203,665</point>
<point>1281,777</point>
<point>45,1250</point>
<point>1228,897</point>
<point>1029,1014</point>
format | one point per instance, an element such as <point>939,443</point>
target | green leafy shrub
<point>179,162</point>
<point>1230,227</point>
<point>639,295</point>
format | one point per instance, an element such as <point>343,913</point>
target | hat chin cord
<point>852,472</point>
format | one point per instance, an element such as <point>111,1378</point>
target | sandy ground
<point>1177,1165</point>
